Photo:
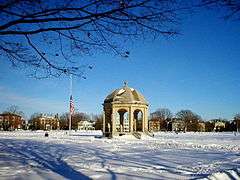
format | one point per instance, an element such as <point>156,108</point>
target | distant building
<point>178,125</point>
<point>45,122</point>
<point>201,127</point>
<point>86,125</point>
<point>158,124</point>
<point>11,121</point>
<point>219,126</point>
<point>154,125</point>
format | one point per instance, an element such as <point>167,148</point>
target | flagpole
<point>70,113</point>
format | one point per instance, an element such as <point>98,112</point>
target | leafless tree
<point>14,109</point>
<point>231,8</point>
<point>237,121</point>
<point>237,116</point>
<point>162,113</point>
<point>45,36</point>
<point>98,122</point>
<point>189,119</point>
<point>63,121</point>
<point>76,118</point>
<point>209,126</point>
<point>162,117</point>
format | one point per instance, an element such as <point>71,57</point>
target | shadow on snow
<point>138,163</point>
<point>29,152</point>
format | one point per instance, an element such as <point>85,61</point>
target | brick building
<point>154,125</point>
<point>10,121</point>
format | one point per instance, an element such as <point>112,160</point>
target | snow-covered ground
<point>83,155</point>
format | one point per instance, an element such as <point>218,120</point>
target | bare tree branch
<point>63,30</point>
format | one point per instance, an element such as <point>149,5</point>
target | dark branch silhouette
<point>45,36</point>
<point>231,7</point>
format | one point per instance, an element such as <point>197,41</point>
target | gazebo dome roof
<point>125,95</point>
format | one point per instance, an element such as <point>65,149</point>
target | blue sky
<point>197,70</point>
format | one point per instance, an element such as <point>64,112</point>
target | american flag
<point>71,105</point>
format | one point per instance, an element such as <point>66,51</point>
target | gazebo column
<point>145,120</point>
<point>113,122</point>
<point>131,116</point>
<point>104,125</point>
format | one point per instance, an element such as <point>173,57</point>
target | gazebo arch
<point>122,120</point>
<point>138,120</point>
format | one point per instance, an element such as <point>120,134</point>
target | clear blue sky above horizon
<point>198,70</point>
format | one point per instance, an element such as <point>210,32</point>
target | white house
<point>86,125</point>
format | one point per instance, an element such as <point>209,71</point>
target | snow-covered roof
<point>125,95</point>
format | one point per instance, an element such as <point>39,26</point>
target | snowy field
<point>81,155</point>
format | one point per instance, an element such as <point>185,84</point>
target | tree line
<point>191,121</point>
<point>63,120</point>
<point>163,116</point>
